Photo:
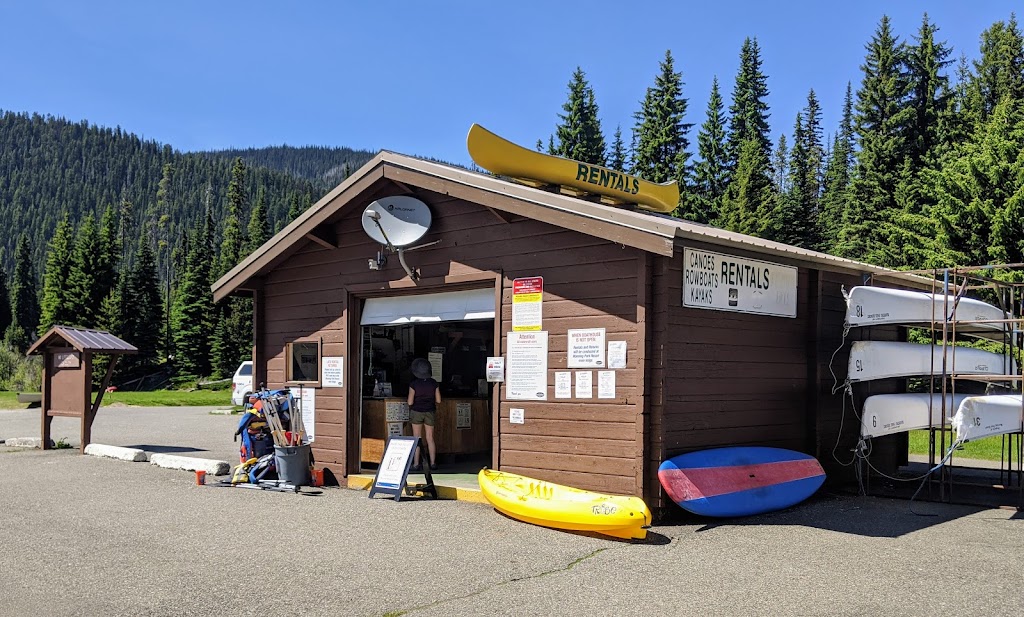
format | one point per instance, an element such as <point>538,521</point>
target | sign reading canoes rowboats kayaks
<point>505,158</point>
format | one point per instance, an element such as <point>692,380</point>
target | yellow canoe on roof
<point>563,507</point>
<point>502,157</point>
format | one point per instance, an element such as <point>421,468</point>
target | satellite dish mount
<point>397,222</point>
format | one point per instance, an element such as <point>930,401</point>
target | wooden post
<point>90,410</point>
<point>44,406</point>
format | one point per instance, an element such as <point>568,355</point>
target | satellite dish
<point>396,221</point>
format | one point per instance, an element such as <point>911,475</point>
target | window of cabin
<point>302,362</point>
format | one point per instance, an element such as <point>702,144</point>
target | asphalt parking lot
<point>87,536</point>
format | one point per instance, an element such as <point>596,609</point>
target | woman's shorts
<point>422,417</point>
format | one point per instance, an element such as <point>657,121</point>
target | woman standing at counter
<point>424,397</point>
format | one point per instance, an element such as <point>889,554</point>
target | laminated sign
<point>586,348</point>
<point>527,303</point>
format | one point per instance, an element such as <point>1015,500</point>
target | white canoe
<point>884,359</point>
<point>984,416</point>
<point>885,414</point>
<point>872,306</point>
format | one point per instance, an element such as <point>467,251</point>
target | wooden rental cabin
<point>714,361</point>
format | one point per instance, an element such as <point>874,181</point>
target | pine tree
<point>617,159</point>
<point>56,304</point>
<point>147,303</point>
<point>579,132</point>
<point>192,311</point>
<point>24,302</point>
<point>806,177</point>
<point>293,209</point>
<point>749,110</point>
<point>110,252</point>
<point>780,161</point>
<point>258,230</point>
<point>660,135</point>
<point>5,300</point>
<point>710,174</point>
<point>836,183</point>
<point>929,92</point>
<point>86,291</point>
<point>999,72</point>
<point>231,238</point>
<point>882,119</point>
<point>749,199</point>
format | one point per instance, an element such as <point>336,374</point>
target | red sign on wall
<point>527,300</point>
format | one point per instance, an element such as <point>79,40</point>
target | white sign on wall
<point>726,283</point>
<point>526,375</point>
<point>586,348</point>
<point>332,373</point>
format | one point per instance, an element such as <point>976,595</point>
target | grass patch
<point>987,449</point>
<point>156,398</point>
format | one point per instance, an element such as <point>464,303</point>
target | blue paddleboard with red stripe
<point>740,481</point>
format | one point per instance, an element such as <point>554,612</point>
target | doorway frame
<point>355,295</point>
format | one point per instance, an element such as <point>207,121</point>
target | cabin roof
<point>655,233</point>
<point>83,340</point>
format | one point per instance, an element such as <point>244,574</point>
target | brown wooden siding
<point>724,378</point>
<point>588,282</point>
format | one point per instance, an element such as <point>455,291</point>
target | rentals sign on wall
<point>726,283</point>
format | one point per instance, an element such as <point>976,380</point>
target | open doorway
<point>457,350</point>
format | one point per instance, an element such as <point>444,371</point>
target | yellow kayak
<point>505,158</point>
<point>563,507</point>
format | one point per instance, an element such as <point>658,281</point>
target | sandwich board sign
<point>392,475</point>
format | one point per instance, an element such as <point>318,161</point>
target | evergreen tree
<point>929,92</point>
<point>999,72</point>
<point>293,209</point>
<point>749,198</point>
<point>618,156</point>
<point>710,174</point>
<point>86,291</point>
<point>56,303</point>
<point>660,135</point>
<point>749,110</point>
<point>806,167</point>
<point>836,183</point>
<point>882,119</point>
<point>125,229</point>
<point>579,132</point>
<point>146,301</point>
<point>780,162</point>
<point>110,251</point>
<point>258,230</point>
<point>5,300</point>
<point>231,238</point>
<point>192,312</point>
<point>24,302</point>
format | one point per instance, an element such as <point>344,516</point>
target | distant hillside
<point>49,165</point>
<point>325,166</point>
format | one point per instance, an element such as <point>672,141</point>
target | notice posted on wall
<point>527,372</point>
<point>516,416</point>
<point>396,411</point>
<point>463,415</point>
<point>496,369</point>
<point>527,303</point>
<point>305,399</point>
<point>726,283</point>
<point>332,372</point>
<point>586,348</point>
<point>616,354</point>
<point>563,384</point>
<point>606,384</point>
<point>395,429</point>
<point>436,359</point>
<point>584,384</point>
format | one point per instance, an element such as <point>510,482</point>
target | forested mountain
<point>49,166</point>
<point>328,166</point>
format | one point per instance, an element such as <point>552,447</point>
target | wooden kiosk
<point>67,374</point>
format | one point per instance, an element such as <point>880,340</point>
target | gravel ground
<point>89,536</point>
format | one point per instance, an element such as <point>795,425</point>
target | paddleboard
<point>740,481</point>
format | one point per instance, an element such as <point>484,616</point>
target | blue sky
<point>413,76</point>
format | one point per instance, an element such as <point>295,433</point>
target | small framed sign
<point>392,475</point>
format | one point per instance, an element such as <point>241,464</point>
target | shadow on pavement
<point>166,449</point>
<point>863,516</point>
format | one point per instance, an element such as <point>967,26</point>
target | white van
<point>241,383</point>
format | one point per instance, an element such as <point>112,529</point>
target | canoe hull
<point>563,507</point>
<point>502,157</point>
<point>740,481</point>
<point>871,360</point>
<point>872,306</point>
<point>986,416</point>
<point>886,414</point>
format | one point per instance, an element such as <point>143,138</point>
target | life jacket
<point>254,470</point>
